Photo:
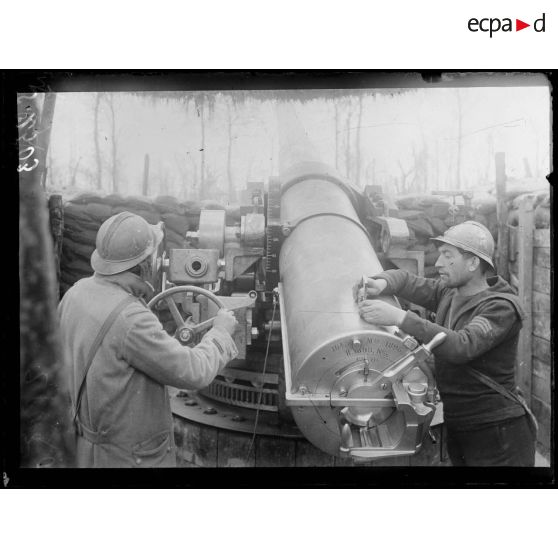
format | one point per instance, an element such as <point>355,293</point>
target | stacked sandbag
<point>84,214</point>
<point>484,208</point>
<point>536,189</point>
<point>428,216</point>
<point>177,223</point>
<point>540,200</point>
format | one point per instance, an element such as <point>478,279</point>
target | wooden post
<point>46,439</point>
<point>47,117</point>
<point>56,220</point>
<point>526,229</point>
<point>145,187</point>
<point>502,215</point>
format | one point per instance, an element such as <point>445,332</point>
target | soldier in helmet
<point>487,423</point>
<point>119,358</point>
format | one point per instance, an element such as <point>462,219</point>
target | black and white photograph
<point>294,273</point>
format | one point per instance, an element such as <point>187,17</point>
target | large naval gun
<point>308,365</point>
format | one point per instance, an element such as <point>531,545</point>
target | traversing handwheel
<point>186,329</point>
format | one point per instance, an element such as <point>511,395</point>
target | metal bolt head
<point>342,392</point>
<point>185,335</point>
<point>384,386</point>
<point>356,344</point>
<point>303,390</point>
<point>210,411</point>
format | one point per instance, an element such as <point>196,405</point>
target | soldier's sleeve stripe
<point>218,345</point>
<point>482,323</point>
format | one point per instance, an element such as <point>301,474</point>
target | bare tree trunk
<point>47,118</point>
<point>404,175</point>
<point>45,436</point>
<point>359,122</point>
<point>202,150</point>
<point>459,139</point>
<point>114,148</point>
<point>74,173</point>
<point>537,165</point>
<point>370,172</point>
<point>194,194</point>
<point>145,185</point>
<point>164,181</point>
<point>336,135</point>
<point>348,144</point>
<point>232,192</point>
<point>528,172</point>
<point>96,139</point>
<point>437,165</point>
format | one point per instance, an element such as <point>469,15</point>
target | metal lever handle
<point>188,331</point>
<point>438,339</point>
<point>419,354</point>
<point>198,328</point>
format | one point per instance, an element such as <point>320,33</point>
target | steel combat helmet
<point>123,241</point>
<point>471,237</point>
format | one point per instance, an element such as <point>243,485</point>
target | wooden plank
<point>542,238</point>
<point>514,282</point>
<point>272,451</point>
<point>541,369</point>
<point>513,234</point>
<point>542,411</point>
<point>56,220</point>
<point>308,455</point>
<point>542,257</point>
<point>232,450</point>
<point>541,388</point>
<point>502,216</point>
<point>541,279</point>
<point>541,325</point>
<point>541,349</point>
<point>195,444</point>
<point>525,293</point>
<point>541,303</point>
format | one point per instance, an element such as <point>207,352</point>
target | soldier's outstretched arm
<point>149,348</point>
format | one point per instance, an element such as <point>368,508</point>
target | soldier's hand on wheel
<point>225,320</point>
<point>378,312</point>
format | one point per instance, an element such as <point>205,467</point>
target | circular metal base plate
<point>194,407</point>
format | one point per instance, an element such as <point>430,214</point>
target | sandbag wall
<point>84,214</point>
<point>428,216</point>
